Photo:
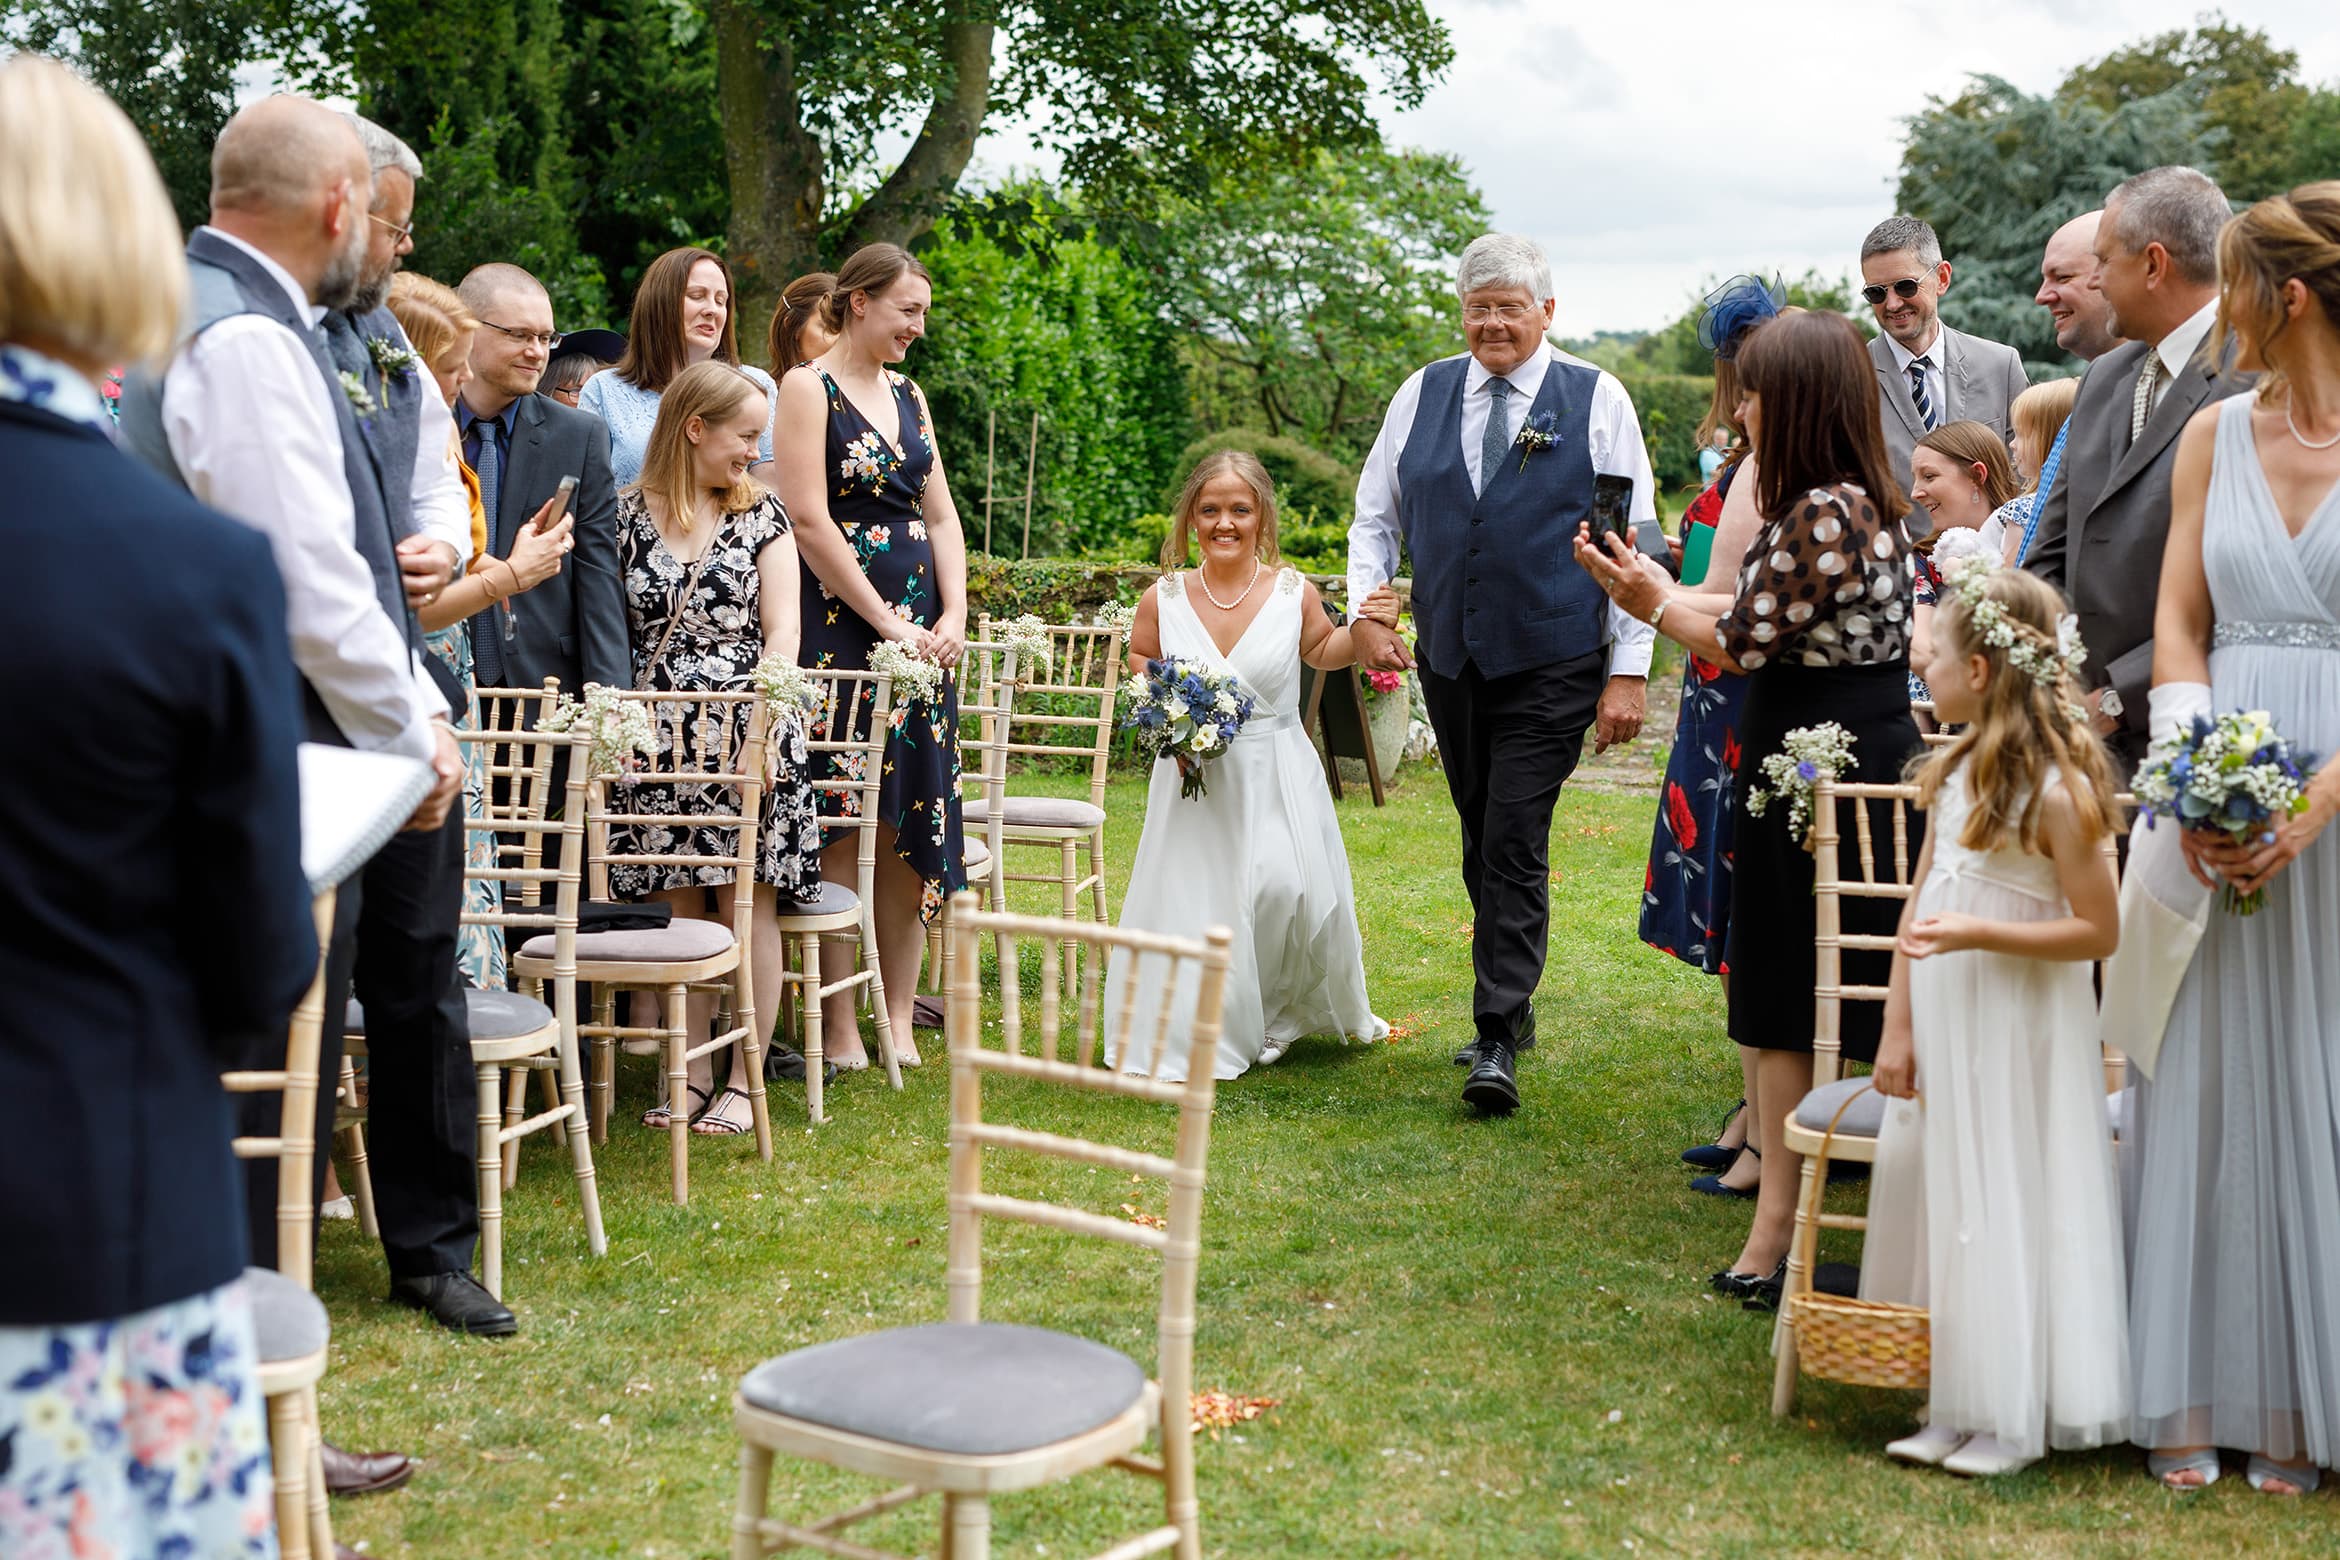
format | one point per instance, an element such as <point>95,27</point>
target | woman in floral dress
<point>710,578</point>
<point>884,559</point>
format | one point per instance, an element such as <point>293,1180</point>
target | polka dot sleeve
<point>1827,584</point>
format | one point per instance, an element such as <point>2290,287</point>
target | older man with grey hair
<point>2102,526</point>
<point>1486,464</point>
<point>1927,373</point>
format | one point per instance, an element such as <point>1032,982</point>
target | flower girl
<point>1993,1203</point>
<point>1260,851</point>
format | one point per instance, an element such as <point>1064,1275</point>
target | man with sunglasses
<point>1927,373</point>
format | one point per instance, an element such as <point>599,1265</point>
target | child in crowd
<point>1994,1202</point>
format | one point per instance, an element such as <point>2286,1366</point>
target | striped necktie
<point>1917,392</point>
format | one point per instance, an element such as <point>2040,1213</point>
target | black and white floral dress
<point>715,648</point>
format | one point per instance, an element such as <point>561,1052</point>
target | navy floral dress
<point>1686,891</point>
<point>876,497</point>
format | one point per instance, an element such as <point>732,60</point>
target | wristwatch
<point>1654,617</point>
<point>2109,704</point>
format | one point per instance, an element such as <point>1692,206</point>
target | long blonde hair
<point>432,315</point>
<point>1243,466</point>
<point>2282,237</point>
<point>710,392</point>
<point>2027,731</point>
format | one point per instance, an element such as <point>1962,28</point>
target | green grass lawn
<point>1489,1338</point>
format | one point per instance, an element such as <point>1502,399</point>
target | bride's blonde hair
<point>1245,467</point>
<point>2028,730</point>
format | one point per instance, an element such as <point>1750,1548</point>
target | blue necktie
<point>487,650</point>
<point>1917,393</point>
<point>1495,443</point>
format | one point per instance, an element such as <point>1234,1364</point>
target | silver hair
<point>1895,234</point>
<point>1504,260</point>
<point>385,150</point>
<point>2181,209</point>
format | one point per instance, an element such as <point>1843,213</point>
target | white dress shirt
<point>2177,349</point>
<point>442,504</point>
<point>1613,435</point>
<point>1937,388</point>
<point>251,424</point>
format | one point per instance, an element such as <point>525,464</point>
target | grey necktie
<point>2141,407</point>
<point>1917,393</point>
<point>487,649</point>
<point>1495,443</point>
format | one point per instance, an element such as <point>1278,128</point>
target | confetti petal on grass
<point>1217,1411</point>
<point>1151,1221</point>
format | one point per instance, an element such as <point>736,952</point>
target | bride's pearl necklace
<point>1203,577</point>
<point>2287,422</point>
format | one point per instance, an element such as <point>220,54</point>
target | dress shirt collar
<point>466,419</point>
<point>313,313</point>
<point>1527,378</point>
<point>2177,349</point>
<point>1903,357</point>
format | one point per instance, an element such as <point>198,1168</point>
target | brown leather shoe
<point>364,1473</point>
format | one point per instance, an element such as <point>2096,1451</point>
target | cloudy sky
<point>1647,150</point>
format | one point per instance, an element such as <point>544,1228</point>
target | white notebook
<point>351,803</point>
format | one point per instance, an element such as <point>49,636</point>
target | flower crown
<point>2046,662</point>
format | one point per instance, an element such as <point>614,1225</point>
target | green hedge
<point>1670,407</point>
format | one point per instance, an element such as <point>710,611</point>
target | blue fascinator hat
<point>1733,309</point>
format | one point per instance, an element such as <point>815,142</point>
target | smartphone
<point>566,493</point>
<point>1612,507</point>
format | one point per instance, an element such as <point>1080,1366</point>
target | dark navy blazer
<point>154,922</point>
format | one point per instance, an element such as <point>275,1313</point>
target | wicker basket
<point>1863,1343</point>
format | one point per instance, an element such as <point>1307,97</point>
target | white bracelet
<point>1660,613</point>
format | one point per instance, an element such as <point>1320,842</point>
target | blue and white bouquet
<point>2235,775</point>
<point>1182,710</point>
<point>1806,753</point>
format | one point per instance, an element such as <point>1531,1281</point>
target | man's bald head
<point>281,155</point>
<point>2068,291</point>
<point>486,286</point>
<point>515,338</point>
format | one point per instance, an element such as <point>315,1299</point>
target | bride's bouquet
<point>2236,776</point>
<point>1182,710</point>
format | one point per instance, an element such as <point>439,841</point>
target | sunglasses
<point>1905,289</point>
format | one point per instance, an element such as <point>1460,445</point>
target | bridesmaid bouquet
<point>1806,753</point>
<point>1184,711</point>
<point>622,731</point>
<point>2236,776</point>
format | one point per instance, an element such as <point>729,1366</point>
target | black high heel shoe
<point>1765,1295</point>
<point>1713,1157</point>
<point>1738,1286</point>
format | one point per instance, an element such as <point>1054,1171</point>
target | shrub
<point>1670,407</point>
<point>1306,479</point>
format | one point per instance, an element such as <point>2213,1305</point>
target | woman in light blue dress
<point>2233,1154</point>
<point>682,315</point>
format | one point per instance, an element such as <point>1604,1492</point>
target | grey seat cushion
<point>977,853</point>
<point>679,943</point>
<point>1041,812</point>
<point>833,899</point>
<point>289,1321</point>
<point>1865,1119</point>
<point>494,1015</point>
<point>976,1390</point>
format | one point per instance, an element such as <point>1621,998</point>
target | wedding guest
<point>583,354</point>
<point>1812,653</point>
<point>682,315</point>
<point>884,559</point>
<point>154,920</point>
<point>2102,526</point>
<point>522,443</point>
<point>1927,373</point>
<point>2082,319</point>
<point>1686,894</point>
<point>1519,660</point>
<point>1961,477</point>
<point>798,336</point>
<point>1993,1206</point>
<point>2036,449</point>
<point>1299,962</point>
<point>2232,1188</point>
<point>711,589</point>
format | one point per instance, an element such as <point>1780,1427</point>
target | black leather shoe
<point>1745,1286</point>
<point>458,1303</point>
<point>1468,1056</point>
<point>363,1473</point>
<point>1490,1088</point>
<point>1765,1295</point>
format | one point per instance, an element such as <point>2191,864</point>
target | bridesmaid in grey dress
<point>2233,1153</point>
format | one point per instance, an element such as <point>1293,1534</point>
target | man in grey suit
<point>521,444</point>
<point>1927,373</point>
<point>2103,525</point>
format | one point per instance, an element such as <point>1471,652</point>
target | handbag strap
<point>681,605</point>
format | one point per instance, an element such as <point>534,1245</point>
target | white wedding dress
<point>1260,853</point>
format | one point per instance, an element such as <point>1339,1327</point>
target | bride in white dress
<point>1261,851</point>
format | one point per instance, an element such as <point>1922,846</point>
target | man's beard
<point>338,288</point>
<point>372,292</point>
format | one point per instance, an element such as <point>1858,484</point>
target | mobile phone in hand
<point>1612,507</point>
<point>566,493</point>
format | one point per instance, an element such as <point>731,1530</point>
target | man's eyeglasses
<point>1905,289</point>
<point>550,340</point>
<point>404,234</point>
<point>1508,313</point>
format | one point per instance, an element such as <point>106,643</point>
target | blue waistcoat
<point>226,282</point>
<point>1496,581</point>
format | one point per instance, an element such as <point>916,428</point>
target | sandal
<point>659,1118</point>
<point>1718,1156</point>
<point>2263,1471</point>
<point>2166,1469</point>
<point>716,1119</point>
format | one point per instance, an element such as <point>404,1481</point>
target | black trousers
<point>394,936</point>
<point>1508,744</point>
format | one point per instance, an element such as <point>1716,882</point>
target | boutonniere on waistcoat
<point>361,400</point>
<point>391,360</point>
<point>1539,432</point>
